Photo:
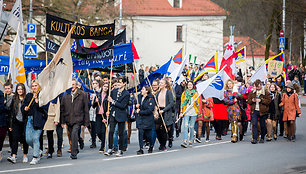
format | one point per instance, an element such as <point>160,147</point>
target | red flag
<point>135,54</point>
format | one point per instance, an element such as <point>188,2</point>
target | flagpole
<point>1,82</point>
<point>17,35</point>
<point>46,49</point>
<point>157,106</point>
<point>109,93</point>
<point>245,60</point>
<point>135,82</point>
<point>89,78</point>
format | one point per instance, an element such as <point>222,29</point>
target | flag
<point>211,66</point>
<point>135,54</point>
<point>93,45</point>
<point>74,44</point>
<point>229,59</point>
<point>279,57</point>
<point>17,70</point>
<point>195,59</point>
<point>175,75</point>
<point>1,6</point>
<point>214,86</point>
<point>178,57</point>
<point>16,17</point>
<point>189,58</point>
<point>260,74</point>
<point>175,61</point>
<point>240,55</point>
<point>57,76</point>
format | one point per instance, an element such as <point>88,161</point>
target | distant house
<point>159,28</point>
<point>253,49</point>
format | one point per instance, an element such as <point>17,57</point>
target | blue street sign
<point>30,50</point>
<point>281,43</point>
<point>31,28</point>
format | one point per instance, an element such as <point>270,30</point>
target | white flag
<point>1,7</point>
<point>175,75</point>
<point>214,86</point>
<point>17,70</point>
<point>260,74</point>
<point>56,78</point>
<point>16,17</point>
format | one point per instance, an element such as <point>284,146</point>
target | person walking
<point>259,100</point>
<point>35,119</point>
<point>3,123</point>
<point>189,104</point>
<point>17,124</point>
<point>119,100</point>
<point>145,118</point>
<point>74,112</point>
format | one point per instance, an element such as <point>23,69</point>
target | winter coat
<point>233,110</point>
<point>219,110</point>
<point>53,116</point>
<point>13,113</point>
<point>104,105</point>
<point>75,112</point>
<point>39,114</point>
<point>206,112</point>
<point>168,110</point>
<point>145,118</point>
<point>291,106</point>
<point>274,108</point>
<point>263,104</point>
<point>119,105</point>
<point>3,118</point>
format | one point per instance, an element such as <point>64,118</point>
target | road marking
<point>157,153</point>
<point>36,168</point>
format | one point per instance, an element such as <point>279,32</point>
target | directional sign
<point>281,43</point>
<point>30,50</point>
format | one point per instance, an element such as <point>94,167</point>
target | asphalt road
<point>221,157</point>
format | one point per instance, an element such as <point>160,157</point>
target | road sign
<point>31,28</point>
<point>281,33</point>
<point>281,43</point>
<point>30,50</point>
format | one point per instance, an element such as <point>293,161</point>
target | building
<point>159,28</point>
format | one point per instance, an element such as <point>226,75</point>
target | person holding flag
<point>189,104</point>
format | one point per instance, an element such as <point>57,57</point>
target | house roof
<point>164,8</point>
<point>257,48</point>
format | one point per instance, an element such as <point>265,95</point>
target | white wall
<point>155,37</point>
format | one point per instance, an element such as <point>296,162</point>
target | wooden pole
<point>135,83</point>
<point>89,78</point>
<point>109,93</point>
<point>1,82</point>
<point>157,105</point>
<point>46,50</point>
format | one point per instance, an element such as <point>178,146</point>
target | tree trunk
<point>269,34</point>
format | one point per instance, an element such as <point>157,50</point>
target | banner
<point>117,68</point>
<point>16,17</point>
<point>51,46</point>
<point>122,55</point>
<point>119,39</point>
<point>60,27</point>
<point>98,55</point>
<point>275,68</point>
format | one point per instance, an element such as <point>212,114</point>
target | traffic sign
<point>31,28</point>
<point>281,43</point>
<point>30,50</point>
<point>281,33</point>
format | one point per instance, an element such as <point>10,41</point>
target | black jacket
<point>145,118</point>
<point>141,75</point>
<point>13,113</point>
<point>104,104</point>
<point>119,105</point>
<point>40,114</point>
<point>3,118</point>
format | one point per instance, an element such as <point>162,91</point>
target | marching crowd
<point>161,111</point>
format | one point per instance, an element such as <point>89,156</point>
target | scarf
<point>289,93</point>
<point>188,95</point>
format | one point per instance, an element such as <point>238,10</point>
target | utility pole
<point>284,24</point>
<point>31,11</point>
<point>120,17</point>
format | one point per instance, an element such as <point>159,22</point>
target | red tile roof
<point>258,49</point>
<point>164,8</point>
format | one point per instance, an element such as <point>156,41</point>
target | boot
<point>234,126</point>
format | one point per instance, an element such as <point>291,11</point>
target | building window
<point>176,3</point>
<point>179,33</point>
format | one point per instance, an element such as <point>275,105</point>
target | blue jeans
<point>32,137</point>
<point>189,122</point>
<point>154,136</point>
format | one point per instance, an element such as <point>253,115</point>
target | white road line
<point>36,168</point>
<point>157,153</point>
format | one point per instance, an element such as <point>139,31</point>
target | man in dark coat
<point>74,112</point>
<point>119,100</point>
<point>141,73</point>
